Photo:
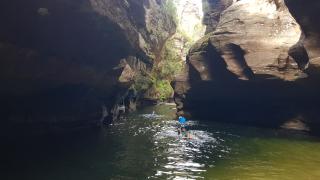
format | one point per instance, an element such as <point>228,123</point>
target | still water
<point>145,145</point>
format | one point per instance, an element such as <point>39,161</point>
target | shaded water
<point>146,146</point>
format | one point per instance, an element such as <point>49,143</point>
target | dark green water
<point>146,146</point>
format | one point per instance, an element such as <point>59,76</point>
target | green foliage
<point>171,63</point>
<point>187,39</point>
<point>151,84</point>
<point>163,89</point>
<point>184,35</point>
<point>164,72</point>
<point>156,84</point>
<point>142,83</point>
<point>171,10</point>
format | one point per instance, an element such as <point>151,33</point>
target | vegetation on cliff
<point>156,84</point>
<point>171,9</point>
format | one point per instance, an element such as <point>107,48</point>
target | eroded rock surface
<point>253,65</point>
<point>212,12</point>
<point>307,15</point>
<point>254,35</point>
<point>60,59</point>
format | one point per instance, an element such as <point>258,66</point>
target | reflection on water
<point>180,154</point>
<point>146,145</point>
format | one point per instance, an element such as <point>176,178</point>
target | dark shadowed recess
<point>307,15</point>
<point>57,60</point>
<point>215,64</point>
<point>71,30</point>
<point>261,102</point>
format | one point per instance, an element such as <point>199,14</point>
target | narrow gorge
<point>92,89</point>
<point>76,64</point>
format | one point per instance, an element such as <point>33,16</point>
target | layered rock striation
<point>252,65</point>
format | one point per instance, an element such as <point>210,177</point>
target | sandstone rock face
<point>251,38</point>
<point>212,12</point>
<point>249,68</point>
<point>189,26</point>
<point>145,24</point>
<point>68,52</point>
<point>254,35</point>
<point>131,67</point>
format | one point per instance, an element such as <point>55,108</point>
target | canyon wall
<point>306,13</point>
<point>67,63</point>
<point>256,65</point>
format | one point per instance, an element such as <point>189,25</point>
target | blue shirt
<point>182,120</point>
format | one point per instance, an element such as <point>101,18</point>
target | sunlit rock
<point>190,15</point>
<point>254,65</point>
<point>296,124</point>
<point>263,31</point>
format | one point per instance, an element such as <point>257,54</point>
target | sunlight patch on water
<point>151,116</point>
<point>179,156</point>
<point>218,151</point>
<point>148,147</point>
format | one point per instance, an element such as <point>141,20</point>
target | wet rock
<point>296,124</point>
